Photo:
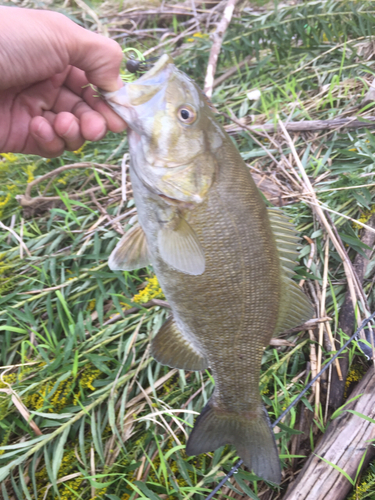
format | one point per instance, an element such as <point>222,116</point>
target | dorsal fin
<point>286,237</point>
<point>295,308</point>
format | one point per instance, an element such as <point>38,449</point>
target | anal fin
<point>171,348</point>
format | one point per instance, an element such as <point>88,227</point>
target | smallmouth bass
<point>224,261</point>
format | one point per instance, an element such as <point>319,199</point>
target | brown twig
<point>176,39</point>
<point>26,200</point>
<point>217,37</point>
<point>309,125</point>
<point>152,302</point>
<point>308,325</point>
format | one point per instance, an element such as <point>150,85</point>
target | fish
<point>223,259</point>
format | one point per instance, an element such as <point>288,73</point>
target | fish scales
<point>204,227</point>
<point>226,304</point>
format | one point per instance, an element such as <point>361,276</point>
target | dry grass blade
<point>18,238</point>
<point>24,412</point>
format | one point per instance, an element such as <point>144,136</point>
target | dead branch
<point>26,200</point>
<point>132,310</point>
<point>306,125</point>
<point>344,444</point>
<point>217,37</point>
<point>308,325</point>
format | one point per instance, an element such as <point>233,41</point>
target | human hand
<point>46,64</point>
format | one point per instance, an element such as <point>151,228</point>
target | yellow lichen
<point>7,380</point>
<point>30,172</point>
<point>63,395</point>
<point>365,488</point>
<point>4,200</point>
<point>5,439</point>
<point>198,35</point>
<point>68,462</point>
<point>68,486</point>
<point>91,305</point>
<point>79,150</point>
<point>364,217</point>
<point>355,374</point>
<point>88,377</point>
<point>151,291</point>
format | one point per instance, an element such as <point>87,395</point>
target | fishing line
<point>298,398</point>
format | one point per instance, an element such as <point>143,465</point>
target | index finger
<point>77,82</point>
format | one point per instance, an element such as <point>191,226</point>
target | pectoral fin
<point>131,251</point>
<point>171,348</point>
<point>180,248</point>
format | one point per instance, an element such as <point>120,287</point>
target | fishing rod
<point>298,398</point>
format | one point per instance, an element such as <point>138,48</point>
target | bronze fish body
<point>224,261</point>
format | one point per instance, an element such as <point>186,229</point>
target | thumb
<point>99,57</point>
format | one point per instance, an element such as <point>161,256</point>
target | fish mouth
<point>140,91</point>
<point>160,65</point>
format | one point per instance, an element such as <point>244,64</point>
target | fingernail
<point>99,135</point>
<point>45,132</point>
<point>67,132</point>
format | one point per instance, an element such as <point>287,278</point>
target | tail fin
<point>253,439</point>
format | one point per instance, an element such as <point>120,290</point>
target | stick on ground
<point>218,37</point>
<point>344,444</point>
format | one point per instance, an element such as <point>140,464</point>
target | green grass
<point>114,422</point>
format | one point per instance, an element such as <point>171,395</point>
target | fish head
<point>172,129</point>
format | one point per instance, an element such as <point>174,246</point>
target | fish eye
<point>187,114</point>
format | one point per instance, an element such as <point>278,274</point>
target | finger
<point>114,122</point>
<point>93,125</point>
<point>98,56</point>
<point>66,100</point>
<point>43,140</point>
<point>76,82</point>
<point>69,105</point>
<point>67,126</point>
